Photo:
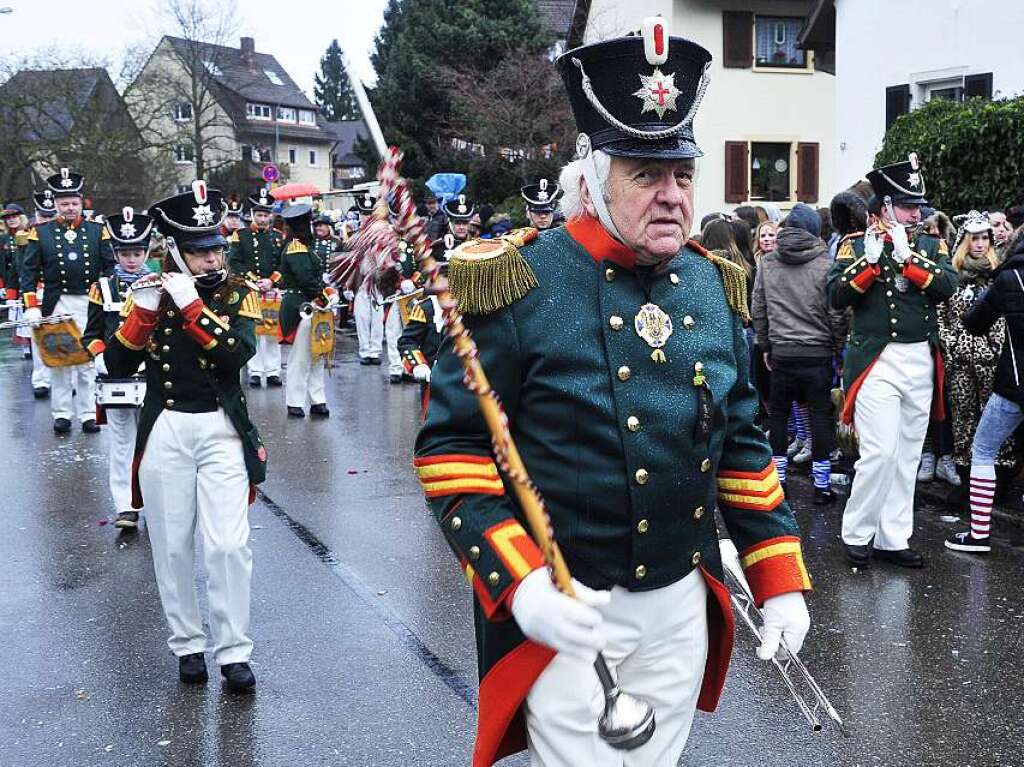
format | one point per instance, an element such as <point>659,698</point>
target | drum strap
<point>109,305</point>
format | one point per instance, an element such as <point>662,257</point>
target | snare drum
<point>120,392</point>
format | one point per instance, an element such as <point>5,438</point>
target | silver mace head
<point>627,722</point>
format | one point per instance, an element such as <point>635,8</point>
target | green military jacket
<point>11,246</point>
<point>301,281</point>
<point>193,357</point>
<point>325,251</point>
<point>68,258</point>
<point>421,337</point>
<point>632,447</point>
<point>882,313</point>
<point>256,253</point>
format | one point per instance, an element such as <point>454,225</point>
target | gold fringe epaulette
<point>21,237</point>
<point>95,294</point>
<point>734,280</point>
<point>296,247</point>
<point>487,275</point>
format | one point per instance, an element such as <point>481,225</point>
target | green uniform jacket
<point>613,441</point>
<point>325,251</point>
<point>421,339</point>
<point>193,358</point>
<point>10,263</point>
<point>68,259</point>
<point>101,325</point>
<point>301,281</point>
<point>882,314</point>
<point>256,253</point>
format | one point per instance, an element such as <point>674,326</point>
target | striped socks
<point>781,463</point>
<point>820,470</point>
<point>983,491</point>
<point>800,415</point>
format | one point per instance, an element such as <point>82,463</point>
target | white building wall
<point>302,171</point>
<point>741,104</point>
<point>881,43</point>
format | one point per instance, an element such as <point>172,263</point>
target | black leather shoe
<point>365,361</point>
<point>274,381</point>
<point>296,412</point>
<point>901,557</point>
<point>375,361</point>
<point>61,425</point>
<point>857,556</point>
<point>254,381</point>
<point>320,410</point>
<point>90,426</point>
<point>823,497</point>
<point>41,392</point>
<point>192,668</point>
<point>395,378</point>
<point>127,520</point>
<point>238,676</point>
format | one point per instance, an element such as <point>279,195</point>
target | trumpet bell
<point>627,722</point>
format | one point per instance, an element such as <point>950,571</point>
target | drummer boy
<point>129,234</point>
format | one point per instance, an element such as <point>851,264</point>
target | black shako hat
<point>192,218</point>
<point>459,209</point>
<point>637,96</point>
<point>901,182</point>
<point>299,219</point>
<point>365,203</point>
<point>541,197</point>
<point>129,229</point>
<point>234,208</point>
<point>45,204</point>
<point>66,183</point>
<point>261,200</point>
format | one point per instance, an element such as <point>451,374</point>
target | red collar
<point>594,238</point>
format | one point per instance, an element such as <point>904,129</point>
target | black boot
<point>90,426</point>
<point>296,412</point>
<point>857,556</point>
<point>902,557</point>
<point>192,668</point>
<point>61,425</point>
<point>41,392</point>
<point>320,410</point>
<point>274,381</point>
<point>254,381</point>
<point>239,677</point>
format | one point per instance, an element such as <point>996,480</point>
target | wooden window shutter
<point>737,39</point>
<point>897,102</point>
<point>978,85</point>
<point>737,158</point>
<point>807,171</point>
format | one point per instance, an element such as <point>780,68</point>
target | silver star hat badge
<point>202,215</point>
<point>128,231</point>
<point>658,92</point>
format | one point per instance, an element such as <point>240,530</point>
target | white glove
<point>101,365</point>
<point>873,245</point>
<point>549,617</point>
<point>349,295</point>
<point>421,373</point>
<point>900,244</point>
<point>785,616</point>
<point>33,316</point>
<point>407,286</point>
<point>147,297</point>
<point>181,289</point>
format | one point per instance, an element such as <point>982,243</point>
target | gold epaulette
<point>21,237</point>
<point>487,275</point>
<point>95,294</point>
<point>296,247</point>
<point>104,234</point>
<point>127,304</point>
<point>416,314</point>
<point>943,247</point>
<point>251,306</point>
<point>32,236</point>
<point>845,252</point>
<point>233,237</point>
<point>734,280</point>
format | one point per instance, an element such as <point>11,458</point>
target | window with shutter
<point>737,39</point>
<point>807,171</point>
<point>978,85</point>
<point>897,102</point>
<point>736,153</point>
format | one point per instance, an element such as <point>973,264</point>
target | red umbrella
<point>291,191</point>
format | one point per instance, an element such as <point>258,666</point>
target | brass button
<point>705,465</point>
<point>698,512</point>
<point>893,320</point>
<point>609,274</point>
<point>892,306</point>
<point>168,384</point>
<point>893,334</point>
<point>688,322</point>
<point>493,579</point>
<point>673,278</point>
<point>633,423</point>
<point>642,476</point>
<point>170,313</point>
<point>640,572</point>
<point>474,553</point>
<point>168,331</point>
<point>624,373</point>
<point>165,348</point>
<point>203,364</point>
<point>165,367</point>
<point>217,331</point>
<point>888,293</point>
<point>231,342</point>
<point>169,403</point>
<point>456,523</point>
<point>204,321</point>
<point>615,321</point>
<point>643,526</point>
<point>695,559</point>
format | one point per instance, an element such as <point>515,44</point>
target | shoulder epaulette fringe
<point>32,236</point>
<point>127,304</point>
<point>296,247</point>
<point>95,295</point>
<point>233,237</point>
<point>251,306</point>
<point>487,275</point>
<point>21,237</point>
<point>734,280</point>
<point>416,314</point>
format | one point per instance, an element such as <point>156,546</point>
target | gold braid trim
<point>487,275</point>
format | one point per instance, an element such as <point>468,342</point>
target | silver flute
<point>743,601</point>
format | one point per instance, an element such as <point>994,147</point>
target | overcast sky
<point>297,32</point>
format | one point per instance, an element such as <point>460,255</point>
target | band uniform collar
<point>601,246</point>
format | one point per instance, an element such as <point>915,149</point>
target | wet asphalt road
<point>364,648</point>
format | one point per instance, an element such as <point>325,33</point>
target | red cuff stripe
<point>863,281</point>
<point>137,327</point>
<point>775,566</point>
<point>917,275</point>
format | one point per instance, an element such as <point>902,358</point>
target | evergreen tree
<point>332,89</point>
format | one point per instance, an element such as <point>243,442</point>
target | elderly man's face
<point>69,207</point>
<point>261,218</point>
<point>651,203</point>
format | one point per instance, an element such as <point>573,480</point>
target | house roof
<point>246,73</point>
<point>556,16</point>
<point>345,133</point>
<point>49,100</point>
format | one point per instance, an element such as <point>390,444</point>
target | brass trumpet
<point>308,309</point>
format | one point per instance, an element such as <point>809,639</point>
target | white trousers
<point>305,382</point>
<point>40,373</point>
<point>122,424</point>
<point>657,649</point>
<point>392,332</point>
<point>891,415</point>
<point>72,387</point>
<point>267,359</point>
<point>369,325</point>
<point>193,472</point>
